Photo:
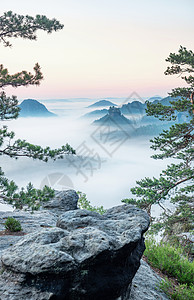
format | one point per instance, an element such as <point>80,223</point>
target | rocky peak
<point>114,112</point>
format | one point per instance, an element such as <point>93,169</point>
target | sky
<point>108,48</point>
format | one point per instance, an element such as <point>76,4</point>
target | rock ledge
<point>85,256</point>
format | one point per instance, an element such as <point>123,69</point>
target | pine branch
<point>14,26</point>
<point>22,78</point>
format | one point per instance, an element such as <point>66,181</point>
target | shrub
<point>177,292</point>
<point>13,225</point>
<point>170,261</point>
<point>84,203</point>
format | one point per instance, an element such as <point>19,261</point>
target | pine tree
<point>26,27</point>
<point>176,182</point>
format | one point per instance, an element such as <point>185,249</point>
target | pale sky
<point>108,48</point>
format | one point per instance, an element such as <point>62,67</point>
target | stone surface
<point>63,201</point>
<point>87,256</point>
<point>145,285</point>
<point>44,218</point>
<point>29,222</point>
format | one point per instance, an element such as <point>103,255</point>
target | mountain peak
<point>33,108</point>
<point>113,118</point>
<point>102,103</point>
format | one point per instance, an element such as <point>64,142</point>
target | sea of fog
<point>104,170</point>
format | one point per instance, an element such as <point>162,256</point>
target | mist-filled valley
<point>96,150</point>
<point>105,167</point>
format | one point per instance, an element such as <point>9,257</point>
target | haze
<point>106,181</point>
<point>106,49</point>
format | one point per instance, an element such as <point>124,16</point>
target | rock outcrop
<point>29,222</point>
<point>44,218</point>
<point>114,118</point>
<point>62,202</point>
<point>85,256</point>
<point>145,285</point>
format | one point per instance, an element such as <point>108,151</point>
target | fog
<point>104,171</point>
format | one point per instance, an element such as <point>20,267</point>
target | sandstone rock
<point>87,256</point>
<point>145,285</point>
<point>63,201</point>
<point>29,222</point>
<point>46,217</point>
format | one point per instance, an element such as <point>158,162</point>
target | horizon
<point>96,99</point>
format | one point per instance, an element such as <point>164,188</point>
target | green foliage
<point>26,198</point>
<point>176,182</point>
<point>22,78</point>
<point>12,225</point>
<point>181,63</point>
<point>19,148</point>
<point>8,107</point>
<point>177,292</point>
<point>170,261</point>
<point>153,191</point>
<point>84,203</point>
<point>14,26</point>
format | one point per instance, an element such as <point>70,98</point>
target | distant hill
<point>96,113</point>
<point>140,124</point>
<point>55,100</point>
<point>135,107</point>
<point>155,98</point>
<point>113,118</point>
<point>165,101</point>
<point>181,116</point>
<point>150,130</point>
<point>102,103</point>
<point>33,108</point>
<point>150,120</point>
